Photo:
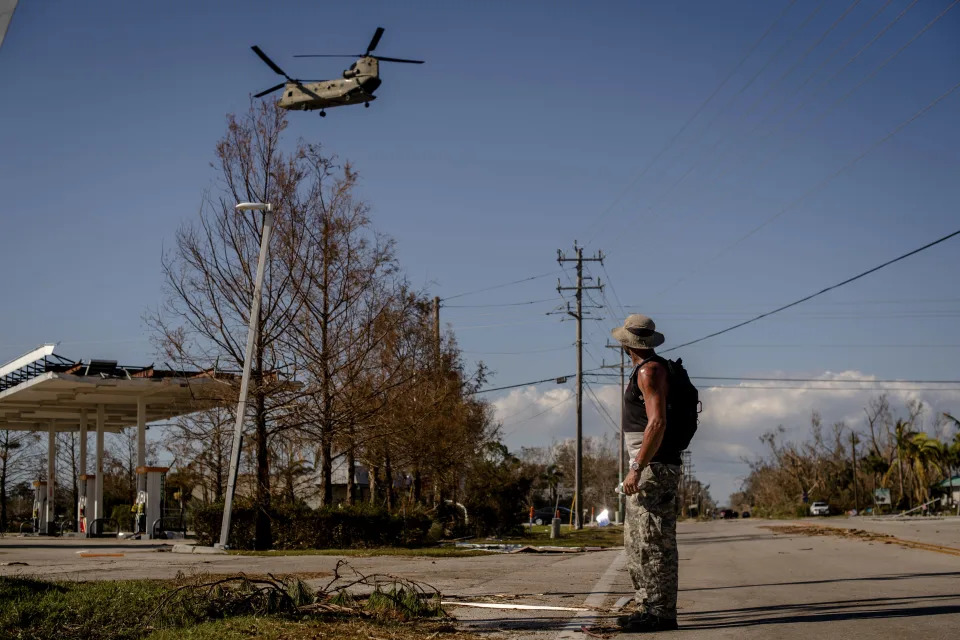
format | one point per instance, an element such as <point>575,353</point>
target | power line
<point>822,291</point>
<point>500,286</point>
<point>696,113</point>
<point>533,382</point>
<point>502,304</point>
<point>516,353</point>
<point>797,388</point>
<point>820,184</point>
<point>836,381</point>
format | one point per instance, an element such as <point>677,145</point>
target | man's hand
<point>631,484</point>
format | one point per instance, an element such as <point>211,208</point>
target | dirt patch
<point>858,534</point>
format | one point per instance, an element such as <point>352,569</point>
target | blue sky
<point>531,125</point>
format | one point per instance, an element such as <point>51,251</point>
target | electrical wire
<point>602,409</point>
<point>502,304</point>
<point>793,204</point>
<point>500,286</point>
<point>797,388</point>
<point>837,381</point>
<point>515,425</point>
<point>527,384</point>
<point>696,113</point>
<point>821,292</point>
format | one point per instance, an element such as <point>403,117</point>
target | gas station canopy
<point>41,389</point>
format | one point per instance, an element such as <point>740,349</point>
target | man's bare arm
<point>652,379</point>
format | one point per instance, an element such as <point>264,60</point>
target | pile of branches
<point>348,593</point>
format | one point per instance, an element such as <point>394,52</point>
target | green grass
<point>425,552</point>
<point>247,627</point>
<point>610,536</point>
<point>162,609</point>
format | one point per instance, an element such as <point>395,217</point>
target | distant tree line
<point>349,367</point>
<point>907,452</point>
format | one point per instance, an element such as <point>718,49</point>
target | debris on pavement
<point>859,534</point>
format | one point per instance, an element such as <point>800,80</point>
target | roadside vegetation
<point>236,606</point>
<point>907,453</point>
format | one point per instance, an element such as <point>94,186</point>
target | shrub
<point>123,514</point>
<point>299,527</point>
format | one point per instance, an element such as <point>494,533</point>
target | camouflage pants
<point>650,539</point>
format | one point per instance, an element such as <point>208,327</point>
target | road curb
<point>189,548</point>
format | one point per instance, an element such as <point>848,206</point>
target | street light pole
<point>247,361</point>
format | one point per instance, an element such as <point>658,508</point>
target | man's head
<point>639,336</point>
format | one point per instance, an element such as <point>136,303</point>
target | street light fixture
<point>267,209</point>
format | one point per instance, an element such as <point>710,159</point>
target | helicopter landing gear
<point>366,105</point>
<point>323,114</point>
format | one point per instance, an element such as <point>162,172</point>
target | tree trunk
<point>4,454</point>
<point>374,484</point>
<point>417,485</point>
<point>351,472</point>
<point>263,538</point>
<point>388,482</point>
<point>326,470</point>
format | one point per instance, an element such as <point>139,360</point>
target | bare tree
<point>209,276</point>
<point>17,463</point>
<point>201,442</point>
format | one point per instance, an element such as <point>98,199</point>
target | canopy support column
<point>82,485</point>
<point>141,441</point>
<point>98,498</point>
<point>51,476</point>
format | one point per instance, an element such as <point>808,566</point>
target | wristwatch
<point>635,466</point>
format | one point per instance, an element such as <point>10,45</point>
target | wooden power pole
<point>579,289</point>
<point>623,354</point>
<point>436,325</point>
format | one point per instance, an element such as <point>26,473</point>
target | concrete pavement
<point>737,579</point>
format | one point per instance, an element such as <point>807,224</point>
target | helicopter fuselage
<point>355,87</point>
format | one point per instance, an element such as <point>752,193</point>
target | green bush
<point>299,527</point>
<point>123,515</point>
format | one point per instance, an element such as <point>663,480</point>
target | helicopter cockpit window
<point>290,94</point>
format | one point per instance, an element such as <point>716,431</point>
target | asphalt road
<point>737,580</point>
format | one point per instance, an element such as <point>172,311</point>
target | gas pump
<point>152,498</point>
<point>140,513</point>
<point>40,506</point>
<point>85,502</point>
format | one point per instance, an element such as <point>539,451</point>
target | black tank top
<point>635,416</point>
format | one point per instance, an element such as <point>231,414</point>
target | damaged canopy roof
<point>40,388</point>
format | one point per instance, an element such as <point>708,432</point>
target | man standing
<point>650,537</point>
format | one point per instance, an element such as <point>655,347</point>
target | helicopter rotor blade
<point>375,40</point>
<point>330,55</point>
<point>270,90</point>
<point>307,91</point>
<point>385,59</point>
<point>270,63</point>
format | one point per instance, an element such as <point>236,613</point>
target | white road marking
<point>525,607</point>
<point>594,601</point>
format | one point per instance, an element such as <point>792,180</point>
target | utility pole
<point>856,493</point>
<point>436,325</point>
<point>579,259</point>
<point>620,501</point>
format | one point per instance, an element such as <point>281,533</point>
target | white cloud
<point>732,420</point>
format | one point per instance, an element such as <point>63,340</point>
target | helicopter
<point>356,87</point>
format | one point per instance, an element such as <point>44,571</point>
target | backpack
<point>683,403</point>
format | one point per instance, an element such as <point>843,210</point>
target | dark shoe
<point>643,622</point>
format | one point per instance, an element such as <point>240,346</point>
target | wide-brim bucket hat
<point>639,332</point>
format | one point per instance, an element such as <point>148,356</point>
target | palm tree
<point>925,453</point>
<point>876,465</point>
<point>902,439</point>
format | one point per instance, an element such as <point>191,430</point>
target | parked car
<point>729,514</point>
<point>819,509</point>
<point>544,515</point>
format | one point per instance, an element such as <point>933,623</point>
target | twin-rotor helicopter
<point>357,85</point>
